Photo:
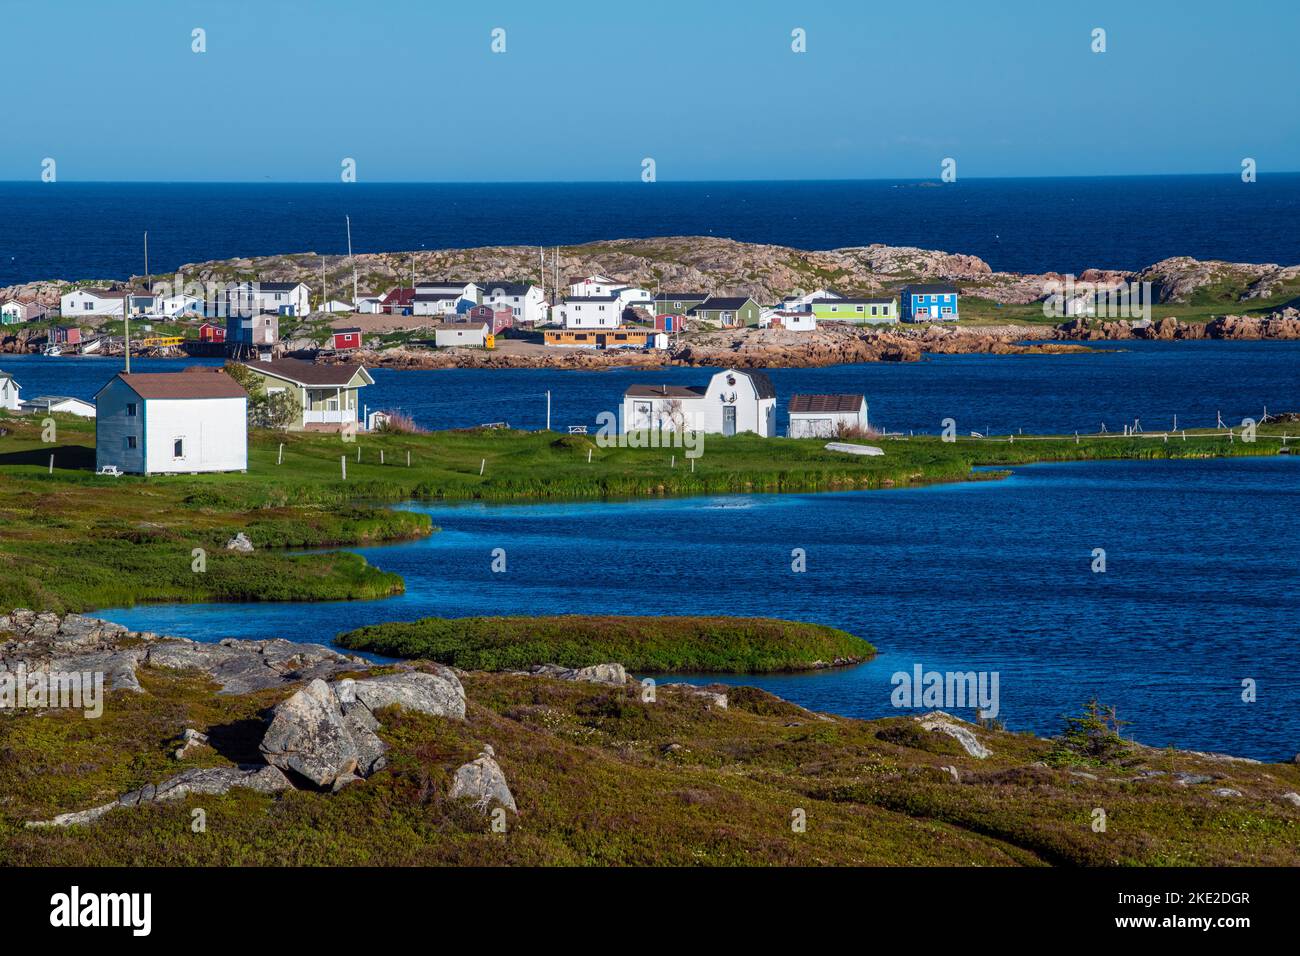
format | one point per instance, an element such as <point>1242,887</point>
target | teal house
<point>929,303</point>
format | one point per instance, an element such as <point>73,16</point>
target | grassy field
<point>603,778</point>
<point>72,540</point>
<point>643,644</point>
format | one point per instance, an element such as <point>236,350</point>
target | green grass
<point>643,644</point>
<point>75,541</point>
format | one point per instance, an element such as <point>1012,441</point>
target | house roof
<point>876,301</point>
<point>763,386</point>
<point>277,286</point>
<point>507,288</point>
<point>591,298</point>
<point>931,288</point>
<point>435,296</point>
<point>4,374</point>
<point>346,331</point>
<point>308,373</point>
<point>108,293</point>
<point>666,296</point>
<point>193,382</point>
<point>481,326</point>
<point>665,391</point>
<point>398,296</point>
<point>41,400</point>
<point>725,303</point>
<point>807,404</point>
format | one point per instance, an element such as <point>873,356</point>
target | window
<point>130,441</point>
<point>873,309</point>
<point>87,306</point>
<point>858,308</point>
<point>947,310</point>
<point>130,409</point>
<point>178,448</point>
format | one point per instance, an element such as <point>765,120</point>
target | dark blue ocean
<point>93,230</point>
<point>1199,592</point>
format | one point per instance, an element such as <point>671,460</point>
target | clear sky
<point>585,90</point>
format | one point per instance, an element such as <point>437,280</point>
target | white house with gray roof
<point>733,401</point>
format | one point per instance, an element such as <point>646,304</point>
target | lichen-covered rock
<point>483,783</point>
<point>207,780</point>
<point>439,693</point>
<point>240,543</point>
<point>936,721</point>
<point>308,736</point>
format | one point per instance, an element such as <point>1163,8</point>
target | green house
<point>678,303</point>
<point>728,312</point>
<point>862,311</point>
<point>327,397</point>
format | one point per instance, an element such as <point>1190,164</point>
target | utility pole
<point>147,283</point>
<point>354,261</point>
<point>548,409</point>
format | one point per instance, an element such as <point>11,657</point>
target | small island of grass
<point>749,645</point>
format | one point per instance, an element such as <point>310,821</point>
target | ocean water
<point>1024,225</point>
<point>1115,384</point>
<point>1199,592</point>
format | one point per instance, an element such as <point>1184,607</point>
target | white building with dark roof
<point>733,401</point>
<point>826,416</point>
<point>526,302</point>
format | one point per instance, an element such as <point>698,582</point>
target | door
<point>728,419</point>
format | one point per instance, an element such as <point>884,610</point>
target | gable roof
<point>665,391</point>
<point>723,303</point>
<point>931,288</point>
<point>844,301</point>
<point>308,373</point>
<point>804,404</point>
<point>277,286</point>
<point>193,382</point>
<point>670,296</point>
<point>506,288</point>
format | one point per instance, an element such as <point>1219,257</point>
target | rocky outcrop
<point>308,736</point>
<point>206,780</point>
<point>483,783</point>
<point>72,642</point>
<point>437,692</point>
<point>240,543</point>
<point>615,674</point>
<point>937,721</point>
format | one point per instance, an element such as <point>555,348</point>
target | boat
<point>51,351</point>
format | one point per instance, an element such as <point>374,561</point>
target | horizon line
<point>630,182</point>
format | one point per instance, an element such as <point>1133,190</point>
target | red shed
<point>670,323</point>
<point>212,333</point>
<point>346,339</point>
<point>65,335</point>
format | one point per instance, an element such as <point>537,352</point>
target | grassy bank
<point>604,778</point>
<point>643,644</point>
<point>73,541</point>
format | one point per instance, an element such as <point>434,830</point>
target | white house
<point>464,334</point>
<point>370,305</point>
<point>595,285</point>
<point>790,320</point>
<point>65,404</point>
<point>465,290</point>
<point>803,303</point>
<point>592,312</point>
<point>826,416</point>
<point>437,303</point>
<point>525,301</point>
<point>181,303</point>
<point>15,311</point>
<point>732,402</point>
<point>629,296</point>
<point>80,302</point>
<point>9,392</point>
<point>172,422</point>
<point>282,298</point>
<point>334,305</point>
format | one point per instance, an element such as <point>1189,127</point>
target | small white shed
<point>464,334</point>
<point>172,422</point>
<point>732,402</point>
<point>827,416</point>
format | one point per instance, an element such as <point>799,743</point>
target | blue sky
<point>586,90</point>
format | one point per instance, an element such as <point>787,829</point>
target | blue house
<point>928,303</point>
